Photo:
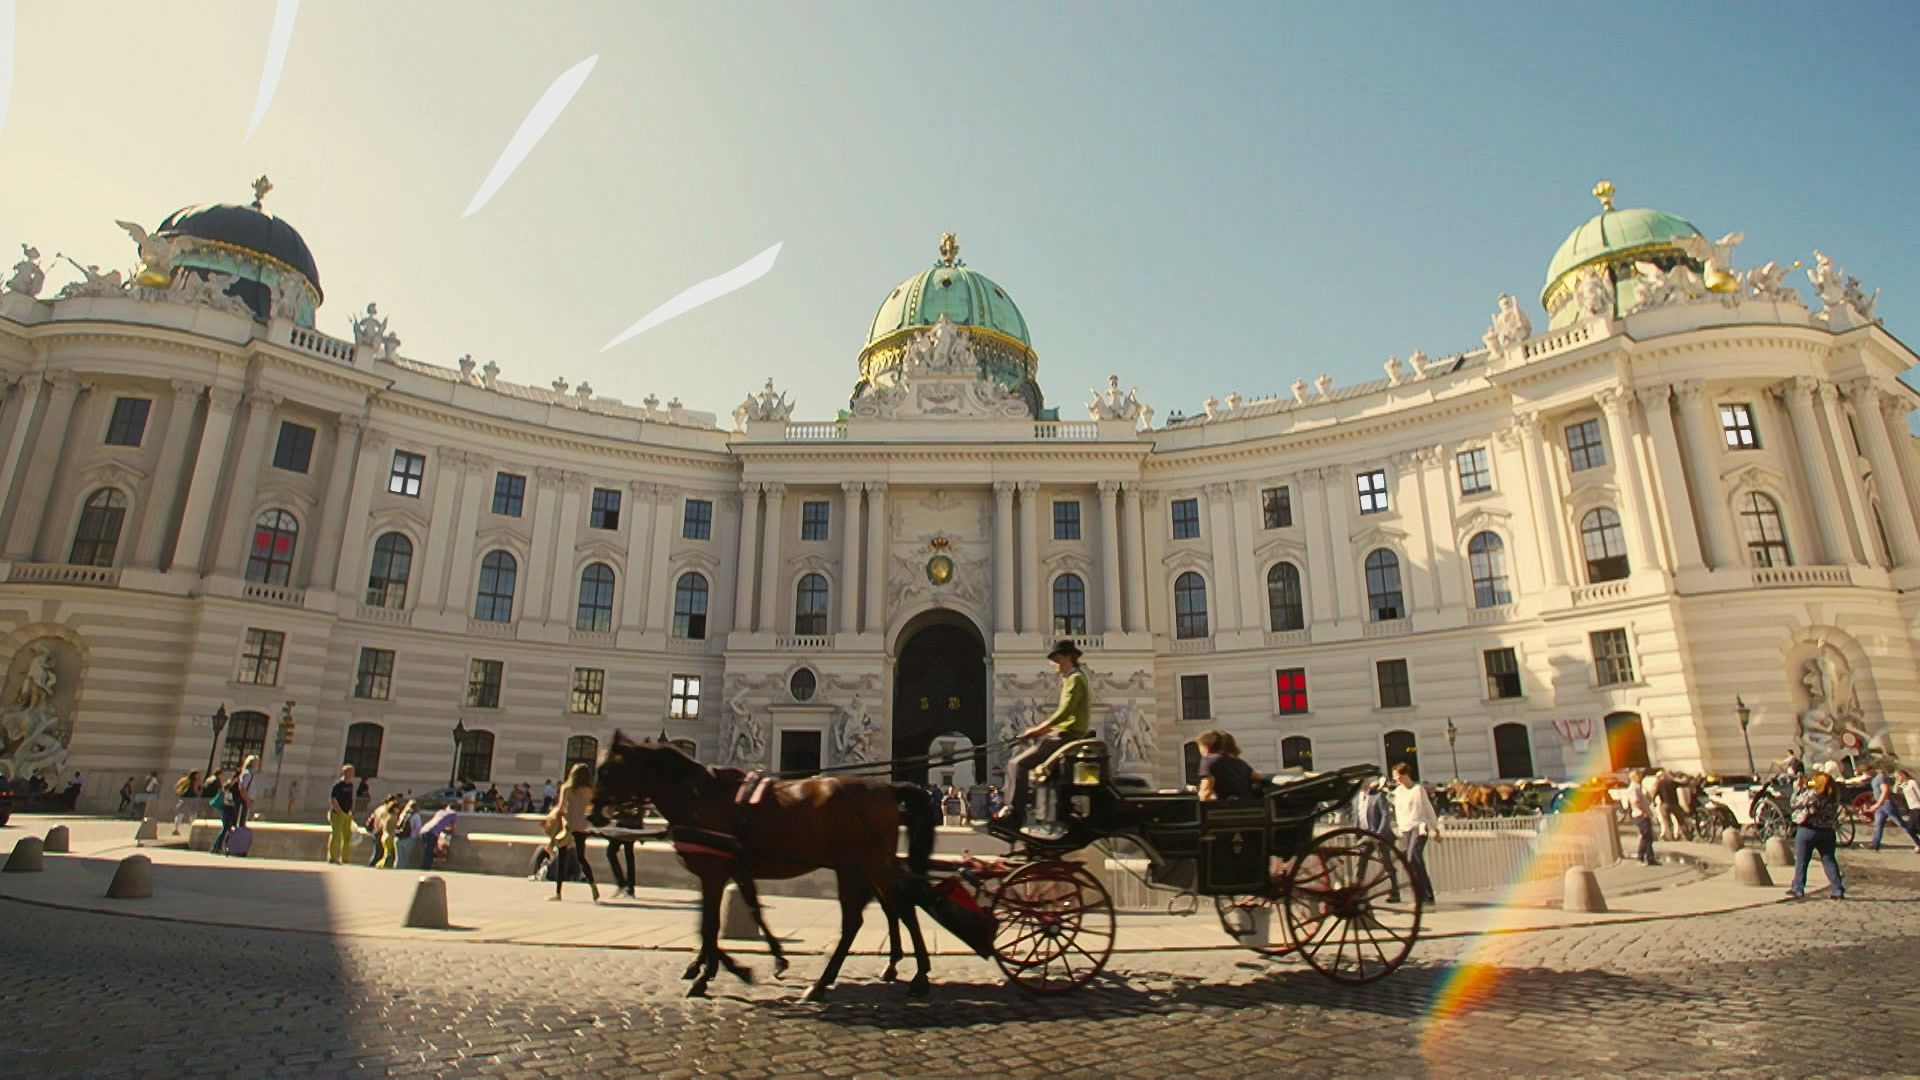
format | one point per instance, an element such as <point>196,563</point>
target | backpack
<point>180,786</point>
<point>406,828</point>
<point>219,801</point>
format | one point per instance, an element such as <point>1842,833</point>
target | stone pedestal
<point>132,880</point>
<point>1582,891</point>
<point>1779,853</point>
<point>1749,869</point>
<point>26,857</point>
<point>1730,838</point>
<point>736,918</point>
<point>429,908</point>
<point>57,840</point>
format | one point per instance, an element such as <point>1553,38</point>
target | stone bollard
<point>429,908</point>
<point>736,918</point>
<point>1750,869</point>
<point>132,880</point>
<point>57,840</point>
<point>1730,838</point>
<point>149,830</point>
<point>1582,891</point>
<point>26,856</point>
<point>1778,853</point>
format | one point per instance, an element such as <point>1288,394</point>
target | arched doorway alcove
<point>939,688</point>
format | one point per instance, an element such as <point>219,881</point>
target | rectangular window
<point>509,494</point>
<point>1475,477</point>
<point>409,469</point>
<point>129,423</point>
<point>1584,448</point>
<point>260,657</point>
<point>1066,519</point>
<point>1186,519</point>
<point>814,516</point>
<point>1503,674</point>
<point>294,450</point>
<point>589,689</point>
<point>683,697</point>
<point>1612,663</point>
<point>1396,692</point>
<point>1372,487</point>
<point>375,679</point>
<point>1195,702</point>
<point>1291,684</point>
<point>1736,422</point>
<point>1276,508</point>
<point>606,509</point>
<point>483,684</point>
<point>698,523</point>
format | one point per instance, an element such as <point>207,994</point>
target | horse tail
<point>921,817</point>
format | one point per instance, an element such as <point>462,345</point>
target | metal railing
<point>1494,853</point>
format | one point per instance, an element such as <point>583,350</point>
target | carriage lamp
<point>459,740</point>
<point>219,722</point>
<point>1745,714</point>
<point>1452,734</point>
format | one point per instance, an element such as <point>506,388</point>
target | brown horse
<point>850,825</point>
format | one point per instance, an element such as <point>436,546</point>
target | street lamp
<point>1745,714</point>
<point>1452,734</point>
<point>219,725</point>
<point>459,740</point>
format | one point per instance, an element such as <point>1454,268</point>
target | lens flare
<point>277,42</point>
<point>706,292</point>
<point>533,129</point>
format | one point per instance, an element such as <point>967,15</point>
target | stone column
<point>325,568</point>
<point>1895,510</point>
<point>1798,394</point>
<point>1674,488</point>
<point>562,592</point>
<point>531,604</point>
<point>351,577</point>
<point>749,556</point>
<point>1158,594</point>
<point>476,491</point>
<point>236,525</point>
<point>1249,584</point>
<point>1224,599</point>
<point>1528,563</point>
<point>771,583</point>
<point>1895,409</point>
<point>1430,468</point>
<point>1004,559</point>
<point>1134,585</point>
<point>633,590</point>
<point>1547,511</point>
<point>848,600</point>
<point>1840,455</point>
<point>1030,621</point>
<point>15,419</point>
<point>1698,443</point>
<point>879,546</point>
<point>1617,405</point>
<point>447,471</point>
<point>1110,621</point>
<point>1317,578</point>
<point>660,588</point>
<point>1348,564</point>
<point>38,468</point>
<point>189,550</point>
<point>156,520</point>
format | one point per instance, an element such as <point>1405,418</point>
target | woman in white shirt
<point>1415,821</point>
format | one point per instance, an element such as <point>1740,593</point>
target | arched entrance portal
<point>939,688</point>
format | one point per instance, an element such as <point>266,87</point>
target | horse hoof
<point>697,990</point>
<point>889,975</point>
<point>779,967</point>
<point>919,987</point>
<point>744,974</point>
<point>693,969</point>
<point>814,994</point>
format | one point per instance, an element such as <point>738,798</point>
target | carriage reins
<point>880,767</point>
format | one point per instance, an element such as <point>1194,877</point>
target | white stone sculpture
<point>1323,386</point>
<point>559,386</point>
<point>1657,288</point>
<point>583,392</point>
<point>1511,327</point>
<point>94,282</point>
<point>33,735</point>
<point>1023,714</point>
<point>371,331</point>
<point>1130,736</point>
<point>1593,295</point>
<point>1417,360</point>
<point>156,255</point>
<point>1113,405</point>
<point>1838,290</point>
<point>466,368</point>
<point>1715,256</point>
<point>1299,391</point>
<point>765,406</point>
<point>490,375</point>
<point>1768,283</point>
<point>1211,407</point>
<point>27,276</point>
<point>1833,725</point>
<point>939,376</point>
<point>745,740</point>
<point>1233,402</point>
<point>286,300</point>
<point>1394,372</point>
<point>856,736</point>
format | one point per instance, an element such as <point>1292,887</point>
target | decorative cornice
<point>775,490</point>
<point>1655,396</point>
<point>1029,488</point>
<point>1108,489</point>
<point>876,487</point>
<point>224,398</point>
<point>1861,391</point>
<point>1003,490</point>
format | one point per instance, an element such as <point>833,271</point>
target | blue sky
<point>1200,198</point>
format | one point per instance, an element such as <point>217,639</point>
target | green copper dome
<point>1613,237</point>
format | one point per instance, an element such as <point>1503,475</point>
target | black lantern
<point>459,742</point>
<point>1745,714</point>
<point>219,722</point>
<point>1452,734</point>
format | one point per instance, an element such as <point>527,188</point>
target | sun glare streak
<point>277,42</point>
<point>706,292</point>
<point>6,58</point>
<point>532,130</point>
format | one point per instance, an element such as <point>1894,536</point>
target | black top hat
<point>1064,647</point>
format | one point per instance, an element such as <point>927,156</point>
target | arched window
<point>1487,559</point>
<point>98,537</point>
<point>274,536</point>
<point>1296,752</point>
<point>1605,544</point>
<point>581,750</point>
<point>1512,751</point>
<point>1190,606</point>
<point>1626,741</point>
<point>1384,601</point>
<point>473,760</point>
<point>810,606</point>
<point>1283,598</point>
<point>690,607</point>
<point>1766,536</point>
<point>1069,606</point>
<point>363,749</point>
<point>596,598</point>
<point>246,734</point>
<point>392,567</point>
<point>1402,748</point>
<point>498,573</point>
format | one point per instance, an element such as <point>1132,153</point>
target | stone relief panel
<point>37,709</point>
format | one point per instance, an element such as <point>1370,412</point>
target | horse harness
<point>752,789</point>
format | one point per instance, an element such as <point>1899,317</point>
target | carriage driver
<point>1070,721</point>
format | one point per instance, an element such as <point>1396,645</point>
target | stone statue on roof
<point>27,276</point>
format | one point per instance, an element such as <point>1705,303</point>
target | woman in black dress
<point>1223,775</point>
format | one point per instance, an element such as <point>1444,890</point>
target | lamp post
<point>219,722</point>
<point>459,740</point>
<point>1745,714</point>
<point>1452,734</point>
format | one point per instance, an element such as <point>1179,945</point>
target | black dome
<point>245,227</point>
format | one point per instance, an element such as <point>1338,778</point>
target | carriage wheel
<point>1351,907</point>
<point>1053,927</point>
<point>1770,819</point>
<point>1257,921</point>
<point>1845,826</point>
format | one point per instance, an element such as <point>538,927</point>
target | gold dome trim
<point>1562,286</point>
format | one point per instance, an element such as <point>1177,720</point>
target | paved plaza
<point>132,990</point>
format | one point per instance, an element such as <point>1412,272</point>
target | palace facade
<point>1694,490</point>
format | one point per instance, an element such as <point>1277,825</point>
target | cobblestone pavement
<point>1813,988</point>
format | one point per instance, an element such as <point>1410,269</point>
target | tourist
<point>382,825</point>
<point>996,801</point>
<point>1666,791</point>
<point>187,788</point>
<point>145,799</point>
<point>1792,765</point>
<point>950,805</point>
<point>228,805</point>
<point>340,819</point>
<point>979,803</point>
<point>575,799</point>
<point>74,787</point>
<point>546,796</point>
<point>1640,810</point>
<point>243,787</point>
<point>1816,811</point>
<point>434,832</point>
<point>1223,775</point>
<point>1374,813</point>
<point>406,834</point>
<point>1071,719</point>
<point>1413,813</point>
<point>1908,790</point>
<point>619,846</point>
<point>1885,809</point>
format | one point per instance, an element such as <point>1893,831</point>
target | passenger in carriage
<point>1072,719</point>
<point>1223,775</point>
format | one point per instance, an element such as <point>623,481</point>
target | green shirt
<point>1074,716</point>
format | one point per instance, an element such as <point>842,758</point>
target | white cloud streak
<point>532,130</point>
<point>277,42</point>
<point>6,58</point>
<point>706,292</point>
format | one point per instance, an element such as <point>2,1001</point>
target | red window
<point>1292,686</point>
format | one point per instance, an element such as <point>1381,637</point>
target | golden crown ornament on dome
<point>1604,192</point>
<point>949,250</point>
<point>261,185</point>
